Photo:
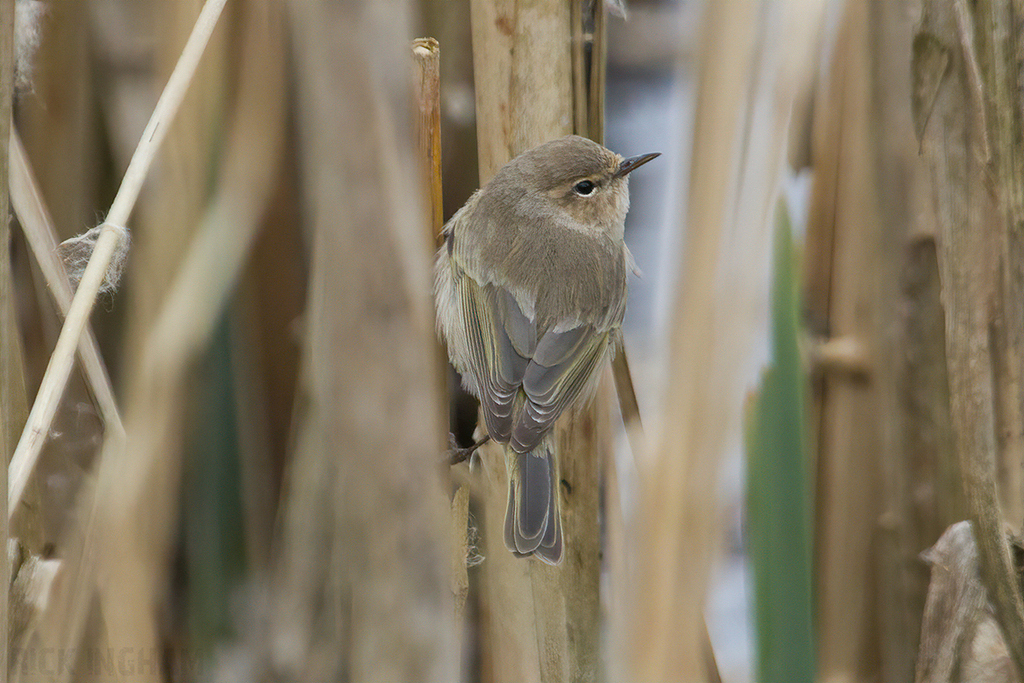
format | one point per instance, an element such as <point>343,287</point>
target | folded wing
<point>501,341</point>
<point>507,357</point>
<point>564,366</point>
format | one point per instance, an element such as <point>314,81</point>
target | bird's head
<point>573,179</point>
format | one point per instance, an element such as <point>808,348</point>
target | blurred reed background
<point>245,477</point>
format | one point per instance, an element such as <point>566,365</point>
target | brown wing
<point>562,368</point>
<point>505,356</point>
<point>501,340</point>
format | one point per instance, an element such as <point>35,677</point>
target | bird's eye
<point>584,188</point>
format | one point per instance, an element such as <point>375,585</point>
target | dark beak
<point>631,164</point>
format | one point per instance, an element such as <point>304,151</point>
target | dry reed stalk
<point>27,203</point>
<point>585,439</point>
<point>844,242</point>
<point>137,489</point>
<point>449,22</point>
<point>183,170</point>
<point>580,90</point>
<point>921,487</point>
<point>967,109</point>
<point>720,309</point>
<point>13,401</point>
<point>427,58</point>
<point>589,67</point>
<point>997,89</point>
<point>460,549</point>
<point>541,623</point>
<point>361,588</point>
<point>524,90</point>
<point>113,230</point>
<point>628,405</point>
<point>589,80</point>
<point>426,53</point>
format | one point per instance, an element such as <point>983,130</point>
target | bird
<point>530,292</point>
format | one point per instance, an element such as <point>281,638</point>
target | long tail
<point>533,521</point>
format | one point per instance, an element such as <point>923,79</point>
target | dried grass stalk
<point>62,360</point>
<point>27,202</point>
<point>125,514</point>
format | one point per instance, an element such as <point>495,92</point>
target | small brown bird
<point>530,291</point>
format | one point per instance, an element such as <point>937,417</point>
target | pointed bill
<point>632,163</point>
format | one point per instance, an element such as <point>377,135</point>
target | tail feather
<point>534,493</point>
<point>532,520</point>
<point>550,549</point>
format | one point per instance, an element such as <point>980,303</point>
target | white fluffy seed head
<point>76,251</point>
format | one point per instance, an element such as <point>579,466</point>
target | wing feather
<point>564,367</point>
<point>525,372</point>
<point>497,334</point>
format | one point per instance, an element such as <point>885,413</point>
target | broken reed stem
<point>427,57</point>
<point>59,368</point>
<point>37,226</point>
<point>427,54</point>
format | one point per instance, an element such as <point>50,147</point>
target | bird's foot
<point>457,455</point>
